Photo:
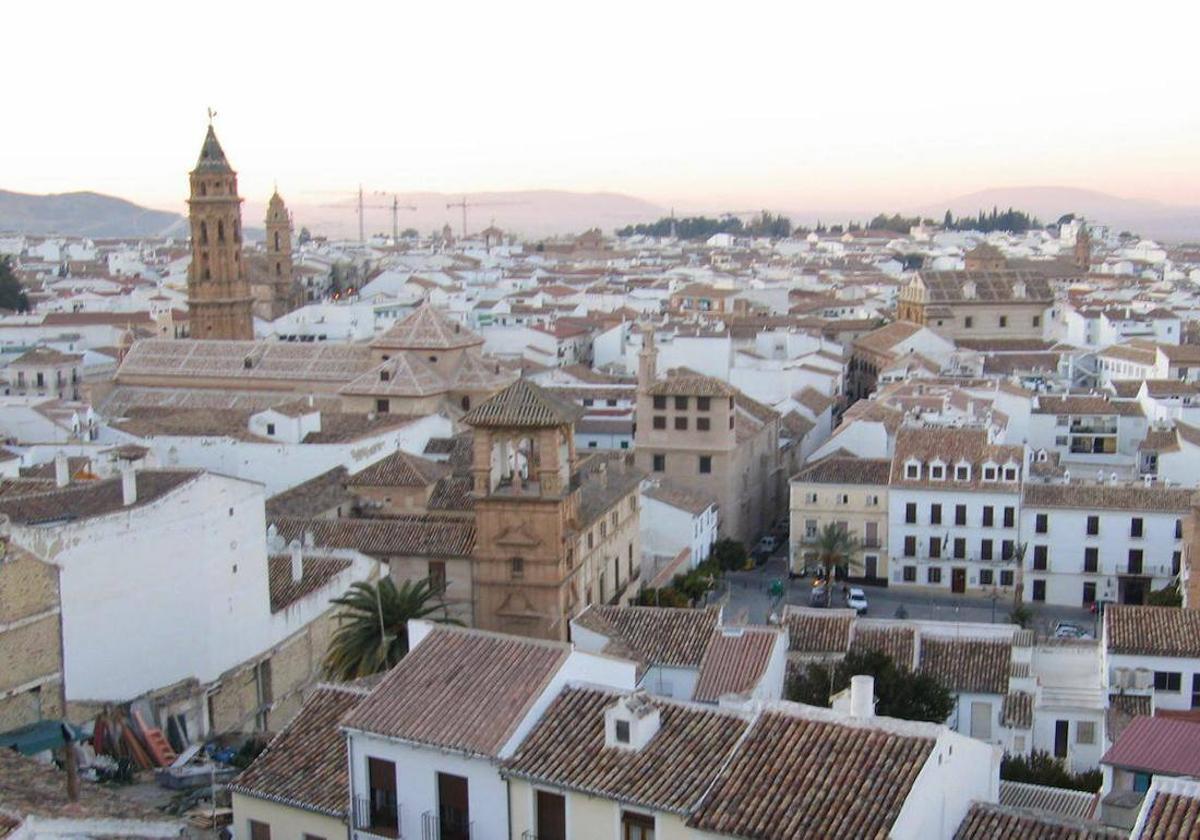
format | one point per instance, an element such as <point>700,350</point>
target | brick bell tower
<point>219,301</point>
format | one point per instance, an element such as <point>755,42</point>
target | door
<point>958,580</point>
<point>871,537</point>
<point>454,812</point>
<point>551,816</point>
<point>1061,729</point>
<point>871,566</point>
<point>382,807</point>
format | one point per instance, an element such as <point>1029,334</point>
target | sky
<point>833,105</point>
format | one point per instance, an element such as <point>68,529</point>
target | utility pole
<point>362,233</point>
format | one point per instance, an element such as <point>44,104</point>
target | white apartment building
<point>1089,432</point>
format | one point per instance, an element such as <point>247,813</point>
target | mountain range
<point>539,213</point>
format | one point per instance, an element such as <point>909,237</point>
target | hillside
<point>84,214</point>
<point>1149,218</point>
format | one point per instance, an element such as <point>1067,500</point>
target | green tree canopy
<point>12,294</point>
<point>835,547</point>
<point>899,693</point>
<point>372,631</point>
<point>1041,768</point>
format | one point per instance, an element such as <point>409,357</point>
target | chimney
<point>862,696</point>
<point>128,486</point>
<point>297,561</point>
<point>62,472</point>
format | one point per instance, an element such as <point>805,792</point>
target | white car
<point>857,600</point>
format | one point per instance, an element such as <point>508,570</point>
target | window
<point>989,516</point>
<point>259,830</point>
<point>981,720</point>
<point>985,577</point>
<point>962,473</point>
<point>960,548</point>
<point>271,429</point>
<point>1006,549</point>
<point>1041,523</point>
<point>912,471</point>
<point>934,574</point>
<point>659,462</point>
<point>660,422</point>
<point>702,403</point>
<point>1010,473</point>
<point>705,464</point>
<point>935,514</point>
<point>1195,691</point>
<point>636,826</point>
<point>702,424</point>
<point>1039,558</point>
<point>910,574</point>
<point>1039,590</point>
<point>960,514</point>
<point>937,472</point>
<point>968,322</point>
<point>1135,527</point>
<point>1089,593</point>
<point>517,565</point>
<point>437,575</point>
<point>810,528</point>
<point>1175,562</point>
<point>1061,732</point>
<point>1168,681</point>
<point>1006,577</point>
<point>681,424</point>
<point>660,403</point>
<point>810,498</point>
<point>1178,529</point>
<point>989,473</point>
<point>1003,320</point>
<point>1135,561</point>
<point>681,403</point>
<point>843,498</point>
<point>935,547</point>
<point>910,546</point>
<point>1037,320</point>
<point>382,406</point>
<point>910,513</point>
<point>622,731</point>
<point>985,549</point>
<point>1010,517</point>
<point>1091,559</point>
<point>1093,526</point>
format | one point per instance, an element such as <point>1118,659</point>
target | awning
<point>36,737</point>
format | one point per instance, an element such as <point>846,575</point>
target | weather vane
<point>211,114</point>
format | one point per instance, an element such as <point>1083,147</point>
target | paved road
<point>749,599</point>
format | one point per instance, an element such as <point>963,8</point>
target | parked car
<point>856,600</point>
<point>766,546</point>
<point>819,595</point>
<point>1067,630</point>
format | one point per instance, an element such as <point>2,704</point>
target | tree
<point>835,547</point>
<point>729,554</point>
<point>1168,596</point>
<point>1041,768</point>
<point>410,233</point>
<point>305,236</point>
<point>372,631</point>
<point>12,295</point>
<point>899,693</point>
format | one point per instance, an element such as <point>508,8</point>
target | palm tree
<point>372,632</point>
<point>835,546</point>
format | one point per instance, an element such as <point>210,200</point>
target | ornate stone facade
<point>219,300</point>
<point>272,282</point>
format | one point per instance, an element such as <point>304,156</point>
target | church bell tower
<point>219,301</point>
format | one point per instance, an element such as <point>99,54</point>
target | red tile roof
<point>1158,745</point>
<point>734,662</point>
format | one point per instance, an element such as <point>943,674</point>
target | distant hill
<point>528,213</point>
<point>1149,218</point>
<point>84,214</point>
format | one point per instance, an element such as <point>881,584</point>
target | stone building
<point>851,493</point>
<point>700,432</point>
<point>272,282</point>
<point>978,303</point>
<point>219,299</point>
<point>551,536</point>
<point>44,371</point>
<point>31,671</point>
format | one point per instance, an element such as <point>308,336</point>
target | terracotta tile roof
<point>29,788</point>
<point>734,661</point>
<point>667,636</point>
<point>887,337</point>
<point>969,665</point>
<point>990,286</point>
<point>1128,353</point>
<point>690,384</point>
<point>525,405</point>
<point>777,785</point>
<point>462,690</point>
<point>1016,712</point>
<point>687,499</point>
<point>305,766</point>
<point>1136,497</point>
<point>41,356</point>
<point>1171,816</point>
<point>1000,822</point>
<point>836,469</point>
<point>400,469</point>
<point>1079,804</point>
<point>814,400</point>
<point>670,773</point>
<point>813,630</point>
<point>1090,405</point>
<point>403,536</point>
<point>318,571</point>
<point>403,375</point>
<point>84,500</point>
<point>425,328</point>
<point>898,642</point>
<point>314,497</point>
<point>953,445</point>
<point>452,493</point>
<point>1152,631</point>
<point>251,360</point>
<point>1159,745</point>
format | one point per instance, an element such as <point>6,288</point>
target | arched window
<point>237,231</point>
<point>278,269</point>
<point>276,240</point>
<point>207,274</point>
<point>203,233</point>
<point>220,231</point>
<point>466,403</point>
<point>203,189</point>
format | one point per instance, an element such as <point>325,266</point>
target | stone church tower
<point>1083,249</point>
<point>218,295</point>
<point>272,281</point>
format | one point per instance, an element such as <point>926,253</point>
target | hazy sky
<point>824,105</point>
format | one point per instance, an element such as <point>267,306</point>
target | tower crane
<point>361,207</point>
<point>463,204</point>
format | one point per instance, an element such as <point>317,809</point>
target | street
<point>750,599</point>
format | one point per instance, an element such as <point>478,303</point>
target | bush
<point>1041,768</point>
<point>730,554</point>
<point>1021,615</point>
<point>1168,596</point>
<point>900,693</point>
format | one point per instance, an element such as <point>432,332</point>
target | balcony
<point>446,824</point>
<point>375,821</point>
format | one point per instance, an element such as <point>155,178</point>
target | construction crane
<point>361,207</point>
<point>463,204</point>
